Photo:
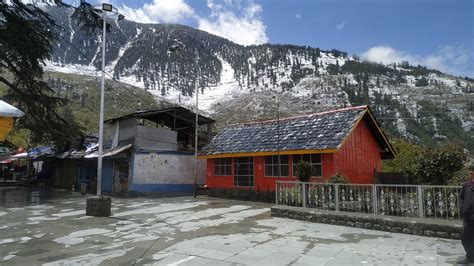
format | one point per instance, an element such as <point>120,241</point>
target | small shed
<point>254,155</point>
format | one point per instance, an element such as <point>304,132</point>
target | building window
<point>271,166</point>
<point>243,172</point>
<point>313,159</point>
<point>223,167</point>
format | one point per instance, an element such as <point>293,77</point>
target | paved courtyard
<point>202,231</point>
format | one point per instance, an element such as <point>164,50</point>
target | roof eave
<point>265,153</point>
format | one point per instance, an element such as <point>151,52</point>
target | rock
<point>98,206</point>
<point>429,233</point>
<point>367,225</point>
<point>407,231</point>
<point>359,225</point>
<point>396,230</point>
<point>441,234</point>
<point>351,224</point>
<point>455,236</point>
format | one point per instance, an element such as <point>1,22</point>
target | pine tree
<point>27,38</point>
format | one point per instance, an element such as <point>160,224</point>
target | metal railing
<point>437,202</point>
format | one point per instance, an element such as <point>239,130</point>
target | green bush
<point>303,171</point>
<point>338,178</point>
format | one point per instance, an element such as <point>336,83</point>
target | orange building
<point>7,113</point>
<point>349,141</point>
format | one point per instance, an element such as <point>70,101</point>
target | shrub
<point>303,171</point>
<point>339,178</point>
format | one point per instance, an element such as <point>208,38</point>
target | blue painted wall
<point>107,176</point>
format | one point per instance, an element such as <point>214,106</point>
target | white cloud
<point>448,58</point>
<point>298,15</point>
<point>231,20</point>
<point>236,20</point>
<point>137,15</point>
<point>386,55</point>
<point>340,26</point>
<point>159,11</point>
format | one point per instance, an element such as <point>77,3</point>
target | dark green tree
<point>406,157</point>
<point>438,166</point>
<point>333,69</point>
<point>422,82</point>
<point>303,171</point>
<point>27,38</point>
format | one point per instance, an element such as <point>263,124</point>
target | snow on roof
<point>8,110</point>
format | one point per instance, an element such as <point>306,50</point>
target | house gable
<point>368,120</point>
<point>359,156</point>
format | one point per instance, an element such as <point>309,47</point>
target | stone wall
<point>413,226</point>
<point>241,194</point>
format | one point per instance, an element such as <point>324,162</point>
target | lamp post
<point>278,134</point>
<point>101,206</point>
<point>104,9</point>
<point>197,124</point>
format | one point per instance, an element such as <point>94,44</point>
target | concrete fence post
<point>374,199</point>
<point>277,188</point>
<point>305,195</point>
<point>419,195</point>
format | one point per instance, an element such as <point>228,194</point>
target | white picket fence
<point>436,202</point>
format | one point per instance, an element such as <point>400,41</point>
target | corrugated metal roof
<point>108,153</point>
<point>320,131</point>
<point>158,115</point>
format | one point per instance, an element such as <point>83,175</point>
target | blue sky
<point>435,33</point>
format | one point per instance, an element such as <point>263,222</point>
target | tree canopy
<point>434,166</point>
<point>27,39</point>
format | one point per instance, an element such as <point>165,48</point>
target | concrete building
<point>153,151</point>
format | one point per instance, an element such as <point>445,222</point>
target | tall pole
<point>278,136</point>
<point>101,114</point>
<point>196,124</point>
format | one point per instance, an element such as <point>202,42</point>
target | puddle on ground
<point>14,197</point>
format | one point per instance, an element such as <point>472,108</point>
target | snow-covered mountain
<point>242,82</point>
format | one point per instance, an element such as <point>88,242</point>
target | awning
<point>40,151</point>
<point>109,153</point>
<point>8,110</point>
<point>34,153</point>
<point>20,155</point>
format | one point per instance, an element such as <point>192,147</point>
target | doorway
<point>121,173</point>
<point>243,172</point>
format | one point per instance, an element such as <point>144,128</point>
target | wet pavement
<point>52,229</point>
<point>18,196</point>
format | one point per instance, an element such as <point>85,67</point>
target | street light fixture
<point>103,12</point>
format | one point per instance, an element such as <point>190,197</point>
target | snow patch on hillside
<point>227,87</point>
<point>87,70</point>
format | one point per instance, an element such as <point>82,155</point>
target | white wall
<point>155,168</point>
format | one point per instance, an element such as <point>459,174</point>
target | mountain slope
<point>237,82</point>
